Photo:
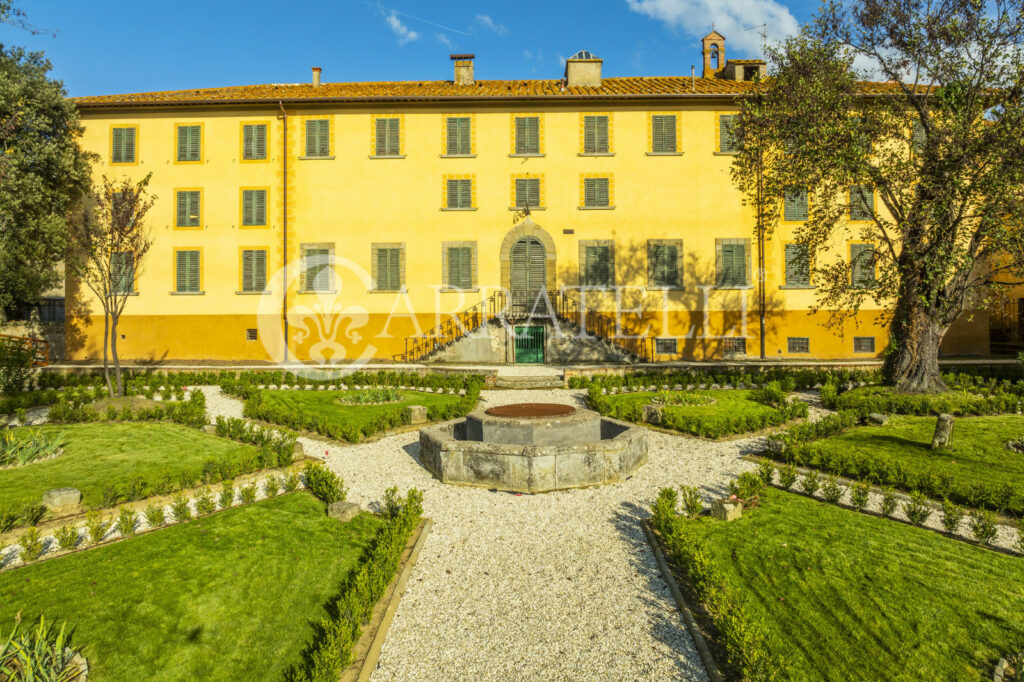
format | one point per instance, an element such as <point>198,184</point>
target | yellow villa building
<point>348,221</point>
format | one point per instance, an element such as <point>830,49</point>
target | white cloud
<point>731,19</point>
<point>444,40</point>
<point>400,29</point>
<point>490,24</point>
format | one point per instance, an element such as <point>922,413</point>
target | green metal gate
<point>529,344</point>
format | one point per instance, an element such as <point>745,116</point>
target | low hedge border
<point>749,652</point>
<point>847,485</point>
<point>330,651</point>
<point>798,378</point>
<point>884,400</point>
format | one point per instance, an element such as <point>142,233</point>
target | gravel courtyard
<point>533,587</point>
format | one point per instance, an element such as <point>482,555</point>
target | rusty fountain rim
<point>530,410</point>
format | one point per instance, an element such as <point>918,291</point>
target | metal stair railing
<point>454,328</point>
<point>596,323</point>
<point>40,348</point>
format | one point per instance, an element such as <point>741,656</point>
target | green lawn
<point>734,411</point>
<point>327,404</point>
<point>978,453</point>
<point>227,597</point>
<point>848,596</point>
<point>101,454</point>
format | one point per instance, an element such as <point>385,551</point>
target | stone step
<point>530,381</point>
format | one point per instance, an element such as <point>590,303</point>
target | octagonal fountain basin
<point>533,447</point>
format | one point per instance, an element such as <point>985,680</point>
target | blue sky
<point>115,46</point>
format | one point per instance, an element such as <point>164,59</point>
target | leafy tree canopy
<point>43,172</point>
<point>935,141</point>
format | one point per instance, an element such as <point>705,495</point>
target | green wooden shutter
<point>188,143</point>
<point>795,204</point>
<point>122,273</point>
<point>248,283</point>
<point>389,269</point>
<point>734,265</point>
<point>460,267</point>
<point>254,207</point>
<point>862,202</point>
<point>193,271</point>
<point>590,192</point>
<point>598,266</point>
<point>798,266</point>
<point>182,143</point>
<point>188,271</point>
<point>595,134</point>
<point>453,194</point>
<point>318,138</point>
<point>664,133</point>
<point>393,137</point>
<point>465,136</point>
<point>188,209</point>
<point>533,191</point>
<point>117,146</point>
<point>918,138</point>
<point>181,273</point>
<point>726,133</point>
<point>527,135</point>
<point>862,265</point>
<point>260,270</point>
<point>312,132</point>
<point>663,265</point>
<point>458,136</point>
<point>259,142</point>
<point>453,136</point>
<point>520,135</point>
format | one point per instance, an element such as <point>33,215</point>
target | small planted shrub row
<point>257,408</point>
<point>885,472</point>
<point>330,652</point>
<point>790,378</point>
<point>234,384</point>
<point>191,412</point>
<point>27,447</point>
<point>883,399</point>
<point>829,425</point>
<point>749,653</point>
<point>372,396</point>
<point>278,447</point>
<point>324,484</point>
<point>918,509</point>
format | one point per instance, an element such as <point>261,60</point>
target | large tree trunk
<point>106,344</point>
<point>913,363</point>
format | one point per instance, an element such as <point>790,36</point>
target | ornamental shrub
<point>859,495</point>
<point>66,536</point>
<point>810,482</point>
<point>95,526</point>
<point>831,490</point>
<point>205,503</point>
<point>952,516</point>
<point>227,494</point>
<point>127,519</point>
<point>271,484</point>
<point>889,502</point>
<point>787,476</point>
<point>917,509</point>
<point>692,503</point>
<point>983,525</point>
<point>324,484</point>
<point>766,471</point>
<point>155,516</point>
<point>31,542</point>
<point>180,508</point>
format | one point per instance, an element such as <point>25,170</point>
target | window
<point>732,262</point>
<point>663,258</point>
<point>187,267</point>
<point>595,134</point>
<point>251,335</point>
<point>318,138</point>
<point>798,344</point>
<point>527,134</point>
<point>254,270</point>
<point>254,142</point>
<point>254,207</point>
<point>727,143</point>
<point>598,265</point>
<point>189,142</point>
<point>316,268</point>
<point>460,194</point>
<point>665,346</point>
<point>388,266</point>
<point>388,139</point>
<point>188,208</point>
<point>663,133</point>
<point>736,345</point>
<point>459,140</point>
<point>862,265</point>
<point>795,203</point>
<point>798,266</point>
<point>918,139</point>
<point>123,145</point>
<point>595,192</point>
<point>122,273</point>
<point>863,344</point>
<point>527,192</point>
<point>862,202</point>
<point>460,267</point>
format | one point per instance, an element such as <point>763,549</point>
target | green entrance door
<point>529,344</point>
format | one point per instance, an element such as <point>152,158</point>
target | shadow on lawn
<point>667,625</point>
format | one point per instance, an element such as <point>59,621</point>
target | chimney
<point>316,76</point>
<point>463,68</point>
<point>583,69</point>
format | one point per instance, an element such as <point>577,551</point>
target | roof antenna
<point>693,78</point>
<point>764,36</point>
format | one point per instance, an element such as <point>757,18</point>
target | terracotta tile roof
<point>628,87</point>
<point>632,87</point>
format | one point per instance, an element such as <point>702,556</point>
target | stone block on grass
<point>653,414</point>
<point>725,510</point>
<point>417,414</point>
<point>878,419</point>
<point>62,498</point>
<point>943,432</point>
<point>343,511</point>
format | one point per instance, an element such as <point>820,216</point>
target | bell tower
<point>713,51</point>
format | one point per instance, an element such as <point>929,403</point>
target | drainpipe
<point>284,231</point>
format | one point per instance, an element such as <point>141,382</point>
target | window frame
<point>178,127</point>
<point>135,144</point>
<point>720,245</point>
<point>585,247</point>
<point>862,246</point>
<point>242,208</point>
<point>870,211</point>
<point>199,268</point>
<point>798,345</point>
<point>177,214</point>
<point>863,338</point>
<point>787,284</point>
<point>652,246</point>
<point>721,136</point>
<point>448,152</point>
<point>319,121</point>
<point>244,286</point>
<point>242,143</point>
<point>387,120</point>
<point>115,287</point>
<point>796,205</point>
<point>595,181</point>
<point>675,150</point>
<point>515,192</point>
<point>446,265</point>
<point>305,253</point>
<point>464,189</point>
<point>591,142</point>
<point>375,249</point>
<point>666,339</point>
<point>526,146</point>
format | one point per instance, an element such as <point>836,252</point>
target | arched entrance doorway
<point>529,274</point>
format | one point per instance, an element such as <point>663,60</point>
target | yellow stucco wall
<point>353,201</point>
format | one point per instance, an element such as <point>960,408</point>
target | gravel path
<point>533,587</point>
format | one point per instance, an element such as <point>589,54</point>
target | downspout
<point>284,231</point>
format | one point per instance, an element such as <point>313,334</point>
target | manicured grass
<point>100,454</point>
<point>231,596</point>
<point>327,404</point>
<point>848,596</point>
<point>734,411</point>
<point>978,452</point>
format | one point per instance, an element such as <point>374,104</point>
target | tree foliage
<point>109,243</point>
<point>43,173</point>
<point>936,139</point>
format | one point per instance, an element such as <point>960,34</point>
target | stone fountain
<point>532,448</point>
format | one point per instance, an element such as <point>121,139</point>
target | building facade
<point>337,221</point>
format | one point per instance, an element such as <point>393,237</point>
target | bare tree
<point>109,242</point>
